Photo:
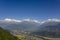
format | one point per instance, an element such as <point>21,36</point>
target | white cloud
<point>9,20</point>
<point>43,22</point>
<point>26,19</point>
<point>50,20</point>
<point>14,20</point>
<point>55,20</point>
<point>36,21</point>
<point>30,20</point>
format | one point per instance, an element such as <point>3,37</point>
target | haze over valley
<point>29,19</point>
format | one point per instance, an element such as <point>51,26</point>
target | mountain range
<point>37,27</point>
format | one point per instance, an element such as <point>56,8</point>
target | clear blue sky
<point>34,9</point>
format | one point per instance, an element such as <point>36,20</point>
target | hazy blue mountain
<point>48,26</point>
<point>24,25</point>
<point>48,29</point>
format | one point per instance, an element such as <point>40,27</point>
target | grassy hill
<point>5,35</point>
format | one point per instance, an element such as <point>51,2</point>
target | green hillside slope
<point>5,35</point>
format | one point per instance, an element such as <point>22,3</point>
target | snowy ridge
<point>14,20</point>
<point>30,20</point>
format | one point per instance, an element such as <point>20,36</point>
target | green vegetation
<point>26,37</point>
<point>5,35</point>
<point>39,35</point>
